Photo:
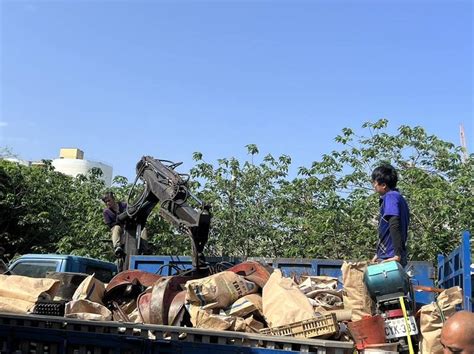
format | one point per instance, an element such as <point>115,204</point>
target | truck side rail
<point>423,272</point>
<point>57,335</point>
<point>455,270</point>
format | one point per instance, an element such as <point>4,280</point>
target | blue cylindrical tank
<point>385,279</point>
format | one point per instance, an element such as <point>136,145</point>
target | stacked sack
<point>229,301</point>
<point>224,301</point>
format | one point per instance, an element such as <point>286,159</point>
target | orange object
<point>369,330</point>
<point>252,271</point>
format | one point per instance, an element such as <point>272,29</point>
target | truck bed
<point>58,335</point>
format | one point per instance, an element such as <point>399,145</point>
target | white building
<point>71,162</point>
<point>18,161</point>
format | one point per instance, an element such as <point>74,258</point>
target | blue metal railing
<point>455,270</point>
<point>423,272</point>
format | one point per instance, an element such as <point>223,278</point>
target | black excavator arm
<point>165,187</point>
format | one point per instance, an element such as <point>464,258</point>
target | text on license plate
<point>395,328</point>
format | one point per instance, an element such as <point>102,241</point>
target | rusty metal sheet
<point>130,276</point>
<point>143,304</point>
<point>252,271</point>
<point>163,294</point>
<point>177,309</point>
<point>128,285</point>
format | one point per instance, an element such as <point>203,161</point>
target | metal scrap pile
<point>249,297</point>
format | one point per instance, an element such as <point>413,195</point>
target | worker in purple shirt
<point>394,217</point>
<point>113,209</point>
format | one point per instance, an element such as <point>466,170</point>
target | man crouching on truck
<point>394,217</point>
<point>113,209</point>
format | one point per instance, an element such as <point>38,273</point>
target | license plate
<point>395,328</point>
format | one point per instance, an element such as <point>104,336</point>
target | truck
<point>55,335</point>
<point>163,186</point>
<point>457,269</point>
<point>47,334</point>
<point>37,265</point>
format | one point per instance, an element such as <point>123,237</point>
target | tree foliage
<point>46,211</point>
<point>245,200</point>
<point>328,210</point>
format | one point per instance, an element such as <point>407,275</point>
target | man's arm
<point>109,220</point>
<point>396,236</point>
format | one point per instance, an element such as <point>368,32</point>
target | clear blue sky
<point>121,79</point>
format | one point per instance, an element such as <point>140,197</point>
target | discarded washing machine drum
<point>385,279</point>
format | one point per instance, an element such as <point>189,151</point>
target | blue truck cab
<point>37,265</point>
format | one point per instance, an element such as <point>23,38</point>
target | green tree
<point>31,205</point>
<point>87,235</point>
<point>42,211</point>
<point>330,210</point>
<point>245,201</point>
<point>437,185</point>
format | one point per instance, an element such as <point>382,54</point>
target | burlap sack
<point>90,289</point>
<point>9,305</point>
<point>329,299</point>
<point>341,314</point>
<point>201,318</point>
<point>87,310</point>
<point>355,294</point>
<point>218,290</point>
<point>283,302</point>
<point>249,325</point>
<point>246,305</point>
<point>68,283</point>
<point>310,283</point>
<point>27,288</point>
<point>431,320</point>
<point>18,294</point>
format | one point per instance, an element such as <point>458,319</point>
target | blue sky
<point>122,79</point>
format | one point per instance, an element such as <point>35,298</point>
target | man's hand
<point>395,258</point>
<point>374,259</point>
